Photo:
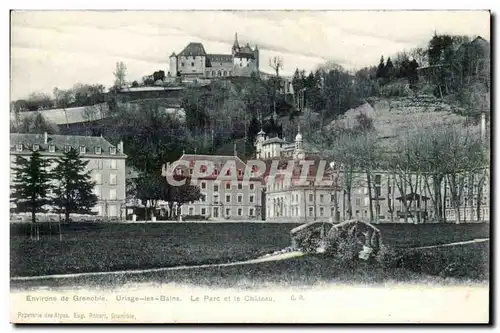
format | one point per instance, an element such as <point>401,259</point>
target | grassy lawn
<point>111,247</point>
<point>302,272</point>
<point>416,235</point>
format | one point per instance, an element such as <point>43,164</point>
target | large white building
<point>294,198</point>
<point>106,163</point>
<point>223,199</point>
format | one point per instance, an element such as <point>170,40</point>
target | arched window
<point>219,73</point>
<point>225,73</point>
<point>213,73</point>
<point>207,73</point>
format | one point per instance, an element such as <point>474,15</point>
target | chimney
<point>45,138</point>
<point>483,126</point>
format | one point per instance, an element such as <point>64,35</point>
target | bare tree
<point>120,74</point>
<point>342,149</point>
<point>276,63</point>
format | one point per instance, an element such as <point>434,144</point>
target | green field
<point>111,247</point>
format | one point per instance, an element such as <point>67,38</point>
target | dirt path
<point>152,270</point>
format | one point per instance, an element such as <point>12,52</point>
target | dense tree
<point>158,75</point>
<point>151,136</point>
<point>64,98</point>
<point>38,101</point>
<point>35,123</point>
<point>31,185</point>
<point>74,192</point>
<point>150,189</point>
<point>184,194</point>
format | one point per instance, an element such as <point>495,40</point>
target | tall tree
<point>184,194</point>
<point>31,185</point>
<point>389,68</point>
<point>120,74</point>
<point>253,129</point>
<point>276,63</point>
<point>381,73</point>
<point>75,190</point>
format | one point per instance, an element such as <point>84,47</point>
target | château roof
<point>220,57</point>
<point>194,50</point>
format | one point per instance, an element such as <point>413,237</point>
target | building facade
<point>231,199</point>
<point>298,195</point>
<point>194,61</point>
<point>105,161</point>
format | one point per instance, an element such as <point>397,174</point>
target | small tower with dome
<point>298,152</point>
<point>261,136</point>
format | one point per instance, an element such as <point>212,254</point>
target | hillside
<point>395,117</point>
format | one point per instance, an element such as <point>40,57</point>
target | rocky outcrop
<point>325,237</point>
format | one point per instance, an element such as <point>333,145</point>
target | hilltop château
<point>193,61</point>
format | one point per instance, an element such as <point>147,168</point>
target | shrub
<point>389,257</point>
<point>194,217</point>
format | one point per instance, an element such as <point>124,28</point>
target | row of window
<point>466,202</point>
<point>99,164</point>
<point>239,211</point>
<point>218,73</point>
<point>294,211</point>
<point>100,195</point>
<point>203,186</point>
<point>83,149</point>
<point>251,198</point>
<point>108,210</point>
<point>203,169</point>
<point>98,178</point>
<point>485,213</point>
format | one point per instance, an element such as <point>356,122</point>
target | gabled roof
<point>193,49</point>
<point>60,141</point>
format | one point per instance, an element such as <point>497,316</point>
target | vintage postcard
<point>250,166</point>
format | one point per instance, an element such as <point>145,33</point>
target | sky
<point>60,48</point>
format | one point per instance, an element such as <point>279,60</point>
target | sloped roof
<point>220,57</point>
<point>193,49</point>
<point>273,140</point>
<point>244,55</point>
<point>60,141</point>
<point>218,160</point>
